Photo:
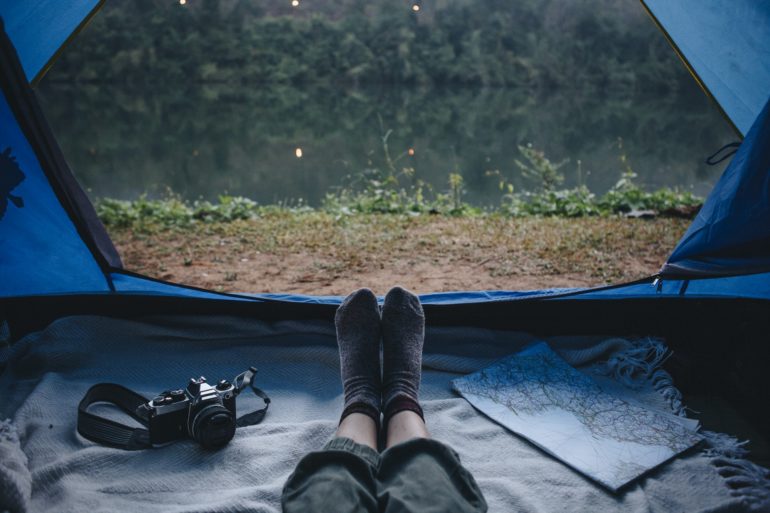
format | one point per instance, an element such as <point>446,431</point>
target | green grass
<point>145,214</point>
<point>394,191</point>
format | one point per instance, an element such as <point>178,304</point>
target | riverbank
<point>317,252</point>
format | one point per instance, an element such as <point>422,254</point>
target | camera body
<point>202,412</point>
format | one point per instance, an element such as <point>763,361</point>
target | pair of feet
<point>361,328</point>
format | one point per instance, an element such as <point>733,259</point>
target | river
<point>278,144</point>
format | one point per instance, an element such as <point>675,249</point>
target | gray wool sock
<point>358,335</point>
<point>403,332</point>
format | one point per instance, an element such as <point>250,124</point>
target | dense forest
<point>542,44</point>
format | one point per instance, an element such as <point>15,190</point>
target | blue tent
<point>55,244</point>
<point>57,259</point>
<point>56,251</point>
<point>724,46</point>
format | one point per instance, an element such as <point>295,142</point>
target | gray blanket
<point>46,466</point>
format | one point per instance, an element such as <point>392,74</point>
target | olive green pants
<point>419,475</point>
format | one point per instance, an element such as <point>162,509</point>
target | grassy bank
<point>390,190</point>
<point>383,227</point>
<point>324,253</point>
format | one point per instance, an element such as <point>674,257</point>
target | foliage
<point>389,191</point>
<point>229,208</point>
<point>597,45</point>
<point>456,192</point>
<point>143,213</point>
<point>386,191</point>
<point>540,169</point>
<point>631,198</point>
<point>147,215</point>
<point>377,192</point>
<point>626,196</point>
<point>577,202</point>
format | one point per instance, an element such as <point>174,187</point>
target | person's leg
<point>404,426</point>
<point>416,474</point>
<point>341,477</point>
<point>403,333</point>
<point>426,476</point>
<point>360,428</point>
<point>358,335</point>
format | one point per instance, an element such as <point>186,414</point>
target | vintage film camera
<point>200,411</point>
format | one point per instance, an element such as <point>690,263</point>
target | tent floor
<point>720,345</point>
<point>298,363</point>
<point>718,414</point>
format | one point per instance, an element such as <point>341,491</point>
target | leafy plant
<point>540,169</point>
<point>385,191</point>
<point>627,196</point>
<point>456,192</point>
<point>624,197</point>
<point>146,214</point>
<point>577,202</point>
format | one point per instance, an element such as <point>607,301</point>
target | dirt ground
<point>319,254</point>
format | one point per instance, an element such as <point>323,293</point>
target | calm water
<point>280,144</point>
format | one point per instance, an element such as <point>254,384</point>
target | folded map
<point>609,438</point>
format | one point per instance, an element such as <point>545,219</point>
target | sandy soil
<point>322,255</point>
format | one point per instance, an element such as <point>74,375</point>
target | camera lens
<point>213,426</point>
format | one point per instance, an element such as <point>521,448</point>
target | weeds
<point>540,169</point>
<point>147,215</point>
<point>398,191</point>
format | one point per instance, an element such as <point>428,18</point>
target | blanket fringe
<point>639,363</point>
<point>723,445</point>
<point>747,481</point>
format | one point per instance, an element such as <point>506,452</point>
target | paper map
<point>612,440</point>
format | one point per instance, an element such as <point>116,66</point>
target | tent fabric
<point>53,242</point>
<point>30,119</point>
<point>40,28</point>
<point>749,286</point>
<point>42,252</point>
<point>754,286</point>
<point>438,298</point>
<point>731,234</point>
<point>129,283</point>
<point>726,45</point>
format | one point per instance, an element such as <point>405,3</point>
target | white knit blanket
<point>46,466</point>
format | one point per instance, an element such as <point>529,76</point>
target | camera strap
<point>243,380</point>
<point>109,432</point>
<point>114,434</point>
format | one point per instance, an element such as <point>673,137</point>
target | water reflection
<point>274,144</point>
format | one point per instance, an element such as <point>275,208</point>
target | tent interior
<point>71,316</point>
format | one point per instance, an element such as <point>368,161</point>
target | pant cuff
<point>364,452</point>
